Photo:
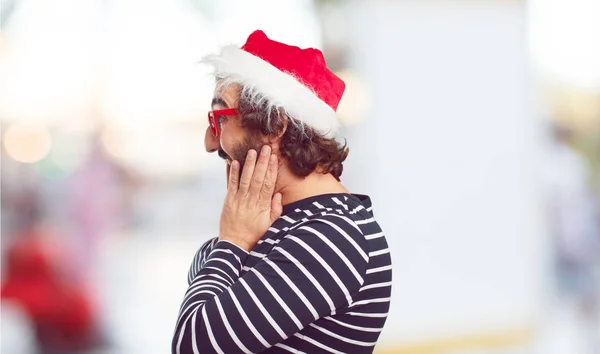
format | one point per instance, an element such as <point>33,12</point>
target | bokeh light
<point>65,156</point>
<point>564,40</point>
<point>27,142</point>
<point>355,103</point>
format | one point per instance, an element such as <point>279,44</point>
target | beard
<point>240,150</point>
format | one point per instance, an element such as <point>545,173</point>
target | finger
<point>268,187</point>
<point>247,172</point>
<point>234,176</point>
<point>260,171</point>
<point>276,207</point>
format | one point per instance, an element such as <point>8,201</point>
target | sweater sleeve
<point>311,273</point>
<point>200,258</point>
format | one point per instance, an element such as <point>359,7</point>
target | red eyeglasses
<point>213,119</point>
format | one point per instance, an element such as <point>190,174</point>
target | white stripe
<point>379,253</point>
<point>366,314</point>
<point>204,283</point>
<point>269,241</point>
<point>236,246</point>
<point>289,349</point>
<point>214,241</point>
<point>211,337</point>
<point>186,319</point>
<point>365,221</point>
<point>296,225</point>
<point>257,254</point>
<point>196,290</point>
<point>318,205</point>
<point>343,339</point>
<point>293,286</point>
<point>370,208</point>
<point>379,269</point>
<point>194,343</point>
<point>213,286</point>
<point>357,209</point>
<point>185,307</point>
<point>197,264</point>
<point>235,271</point>
<point>228,252</point>
<point>338,202</point>
<point>209,275</point>
<point>182,332</point>
<point>376,285</point>
<point>347,237</point>
<point>308,212</point>
<point>310,277</point>
<point>337,251</point>
<point>358,328</point>
<point>247,320</point>
<point>230,281</point>
<point>202,253</point>
<point>272,229</point>
<point>317,344</point>
<point>262,309</point>
<point>288,219</point>
<point>201,286</point>
<point>278,298</point>
<point>230,330</point>
<point>373,236</point>
<point>349,221</point>
<point>324,264</point>
<point>370,301</point>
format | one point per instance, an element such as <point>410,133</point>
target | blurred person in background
<point>42,289</point>
<point>99,193</point>
<point>574,227</point>
<point>300,264</point>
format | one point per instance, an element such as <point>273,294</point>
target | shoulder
<point>207,246</point>
<point>338,231</point>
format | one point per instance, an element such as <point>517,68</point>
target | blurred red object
<point>60,307</point>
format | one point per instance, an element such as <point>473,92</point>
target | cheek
<point>226,143</point>
<point>229,142</point>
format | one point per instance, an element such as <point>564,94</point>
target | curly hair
<point>305,149</point>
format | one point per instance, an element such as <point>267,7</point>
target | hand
<point>250,206</point>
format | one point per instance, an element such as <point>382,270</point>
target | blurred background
<point>473,125</point>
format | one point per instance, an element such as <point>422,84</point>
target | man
<point>300,264</point>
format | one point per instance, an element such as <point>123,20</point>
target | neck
<point>294,188</point>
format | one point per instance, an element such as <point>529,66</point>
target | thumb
<point>276,207</point>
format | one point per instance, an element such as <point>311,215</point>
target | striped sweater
<point>318,281</point>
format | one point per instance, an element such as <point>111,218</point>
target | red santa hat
<point>289,77</point>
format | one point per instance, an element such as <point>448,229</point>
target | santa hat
<point>289,77</point>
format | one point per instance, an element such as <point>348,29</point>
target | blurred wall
<point>448,151</point>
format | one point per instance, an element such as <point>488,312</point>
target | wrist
<point>238,241</point>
